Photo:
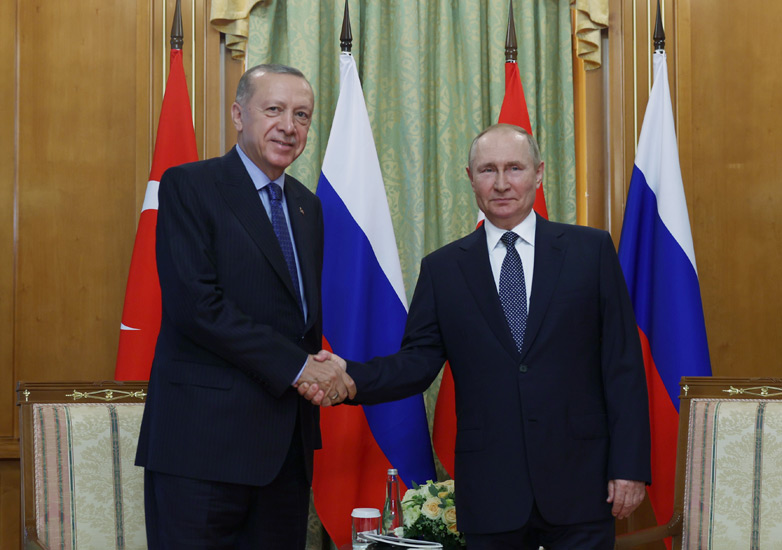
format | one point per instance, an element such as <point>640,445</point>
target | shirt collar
<point>260,180</point>
<point>525,230</point>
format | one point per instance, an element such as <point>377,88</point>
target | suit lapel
<point>242,198</point>
<point>303,221</point>
<point>474,263</point>
<point>550,247</point>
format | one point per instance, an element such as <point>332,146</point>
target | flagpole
<point>346,36</point>
<point>177,31</point>
<point>511,47</point>
<point>659,32</point>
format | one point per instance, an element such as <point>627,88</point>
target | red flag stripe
<point>664,421</point>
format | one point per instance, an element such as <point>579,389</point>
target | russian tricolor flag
<point>364,314</point>
<point>658,260</point>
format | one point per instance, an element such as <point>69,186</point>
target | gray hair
<point>246,86</point>
<point>533,144</point>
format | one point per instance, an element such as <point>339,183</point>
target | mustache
<point>285,141</point>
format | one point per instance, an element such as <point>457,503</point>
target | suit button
<point>522,368</point>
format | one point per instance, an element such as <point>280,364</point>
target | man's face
<point>273,123</point>
<point>504,178</point>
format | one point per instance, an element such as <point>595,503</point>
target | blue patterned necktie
<point>513,290</point>
<point>281,230</point>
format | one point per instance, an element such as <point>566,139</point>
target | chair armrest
<point>651,534</point>
<point>31,542</point>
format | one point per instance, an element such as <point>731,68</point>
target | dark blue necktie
<point>281,230</point>
<point>513,290</point>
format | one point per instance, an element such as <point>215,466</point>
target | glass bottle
<point>392,510</point>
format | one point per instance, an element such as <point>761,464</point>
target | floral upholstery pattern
<point>733,486</point>
<point>88,493</point>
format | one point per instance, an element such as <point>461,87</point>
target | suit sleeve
<point>193,298</point>
<point>624,379</point>
<point>413,368</point>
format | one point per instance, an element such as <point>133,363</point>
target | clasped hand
<point>324,380</point>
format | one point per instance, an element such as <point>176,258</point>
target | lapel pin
<point>301,210</point>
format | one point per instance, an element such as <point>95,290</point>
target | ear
<point>236,116</point>
<point>539,174</point>
<point>469,175</point>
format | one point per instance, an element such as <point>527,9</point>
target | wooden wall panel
<point>76,155</point>
<point>7,185</point>
<point>590,91</point>
<point>10,488</point>
<point>10,517</point>
<point>735,80</point>
<point>217,75</point>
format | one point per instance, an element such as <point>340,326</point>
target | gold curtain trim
<point>232,17</point>
<point>591,17</point>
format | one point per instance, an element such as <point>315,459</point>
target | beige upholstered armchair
<point>80,489</point>
<point>728,491</point>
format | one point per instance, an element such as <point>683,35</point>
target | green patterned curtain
<point>433,77</point>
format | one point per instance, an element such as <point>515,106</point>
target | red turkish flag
<point>175,144</point>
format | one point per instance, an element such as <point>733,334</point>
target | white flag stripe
<point>150,197</point>
<point>358,180</point>
<point>658,159</point>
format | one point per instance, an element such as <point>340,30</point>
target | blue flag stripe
<point>664,289</point>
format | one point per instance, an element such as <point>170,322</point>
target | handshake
<point>324,381</point>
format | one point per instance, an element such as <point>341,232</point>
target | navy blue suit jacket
<point>553,423</point>
<point>232,338</point>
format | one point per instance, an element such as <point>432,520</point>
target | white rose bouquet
<point>430,514</point>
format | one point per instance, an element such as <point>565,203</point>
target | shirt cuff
<point>301,371</point>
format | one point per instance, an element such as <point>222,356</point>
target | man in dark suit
<point>226,441</point>
<point>552,416</point>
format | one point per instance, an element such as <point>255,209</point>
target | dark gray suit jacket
<point>551,424</point>
<point>232,338</point>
